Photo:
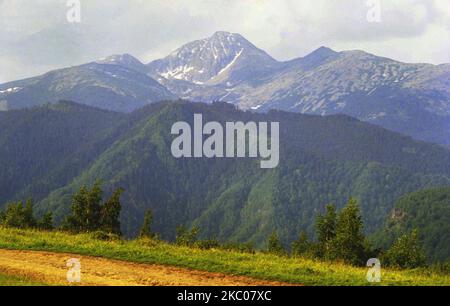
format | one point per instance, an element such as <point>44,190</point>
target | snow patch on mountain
<point>10,90</point>
<point>202,61</point>
<point>231,63</point>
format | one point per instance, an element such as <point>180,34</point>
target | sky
<point>35,36</point>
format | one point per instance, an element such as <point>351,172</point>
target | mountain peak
<point>228,35</point>
<point>325,50</point>
<point>322,52</point>
<point>203,60</point>
<point>125,60</point>
<point>317,58</point>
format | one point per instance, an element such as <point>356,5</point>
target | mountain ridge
<point>322,160</point>
<point>413,99</point>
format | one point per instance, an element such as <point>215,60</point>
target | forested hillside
<point>429,212</point>
<point>47,153</point>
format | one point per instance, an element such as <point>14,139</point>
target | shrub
<point>247,247</point>
<point>104,236</point>
<point>208,244</point>
<point>406,252</point>
<point>302,246</point>
<point>146,226</point>
<point>185,237</point>
<point>274,245</point>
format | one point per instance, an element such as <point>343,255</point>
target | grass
<point>9,280</point>
<point>259,265</point>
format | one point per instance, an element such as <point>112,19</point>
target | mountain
<point>125,60</point>
<point>413,99</point>
<point>224,58</point>
<point>114,86</point>
<point>44,147</point>
<point>49,152</point>
<point>425,210</point>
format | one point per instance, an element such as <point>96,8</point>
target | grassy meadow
<point>259,265</point>
<point>11,280</point>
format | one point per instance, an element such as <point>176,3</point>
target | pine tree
<point>349,242</point>
<point>14,215</point>
<point>88,214</point>
<point>274,244</point>
<point>185,237</point>
<point>93,207</point>
<point>18,216</point>
<point>76,221</point>
<point>110,213</point>
<point>326,230</point>
<point>302,245</point>
<point>146,231</point>
<point>46,223</point>
<point>28,220</point>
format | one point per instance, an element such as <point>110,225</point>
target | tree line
<point>340,235</point>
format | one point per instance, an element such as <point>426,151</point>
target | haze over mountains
<point>413,99</point>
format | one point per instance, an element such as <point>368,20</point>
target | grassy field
<point>8,280</point>
<point>259,265</point>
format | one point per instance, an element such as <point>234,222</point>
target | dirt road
<point>51,268</point>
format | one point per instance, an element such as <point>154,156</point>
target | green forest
<point>340,234</point>
<point>49,153</point>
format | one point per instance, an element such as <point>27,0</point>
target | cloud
<point>36,36</point>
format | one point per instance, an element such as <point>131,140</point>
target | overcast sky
<point>35,36</point>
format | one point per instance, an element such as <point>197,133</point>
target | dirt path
<point>50,268</point>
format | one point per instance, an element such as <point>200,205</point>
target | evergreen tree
<point>406,252</point>
<point>110,213</point>
<point>326,230</point>
<point>302,245</point>
<point>18,216</point>
<point>12,215</point>
<point>89,215</point>
<point>93,207</point>
<point>46,223</point>
<point>28,220</point>
<point>274,245</point>
<point>185,237</point>
<point>76,221</point>
<point>349,244</point>
<point>147,225</point>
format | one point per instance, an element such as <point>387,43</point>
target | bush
<point>441,267</point>
<point>247,247</point>
<point>104,236</point>
<point>146,231</point>
<point>208,244</point>
<point>46,223</point>
<point>185,237</point>
<point>406,252</point>
<point>301,247</point>
<point>274,245</point>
